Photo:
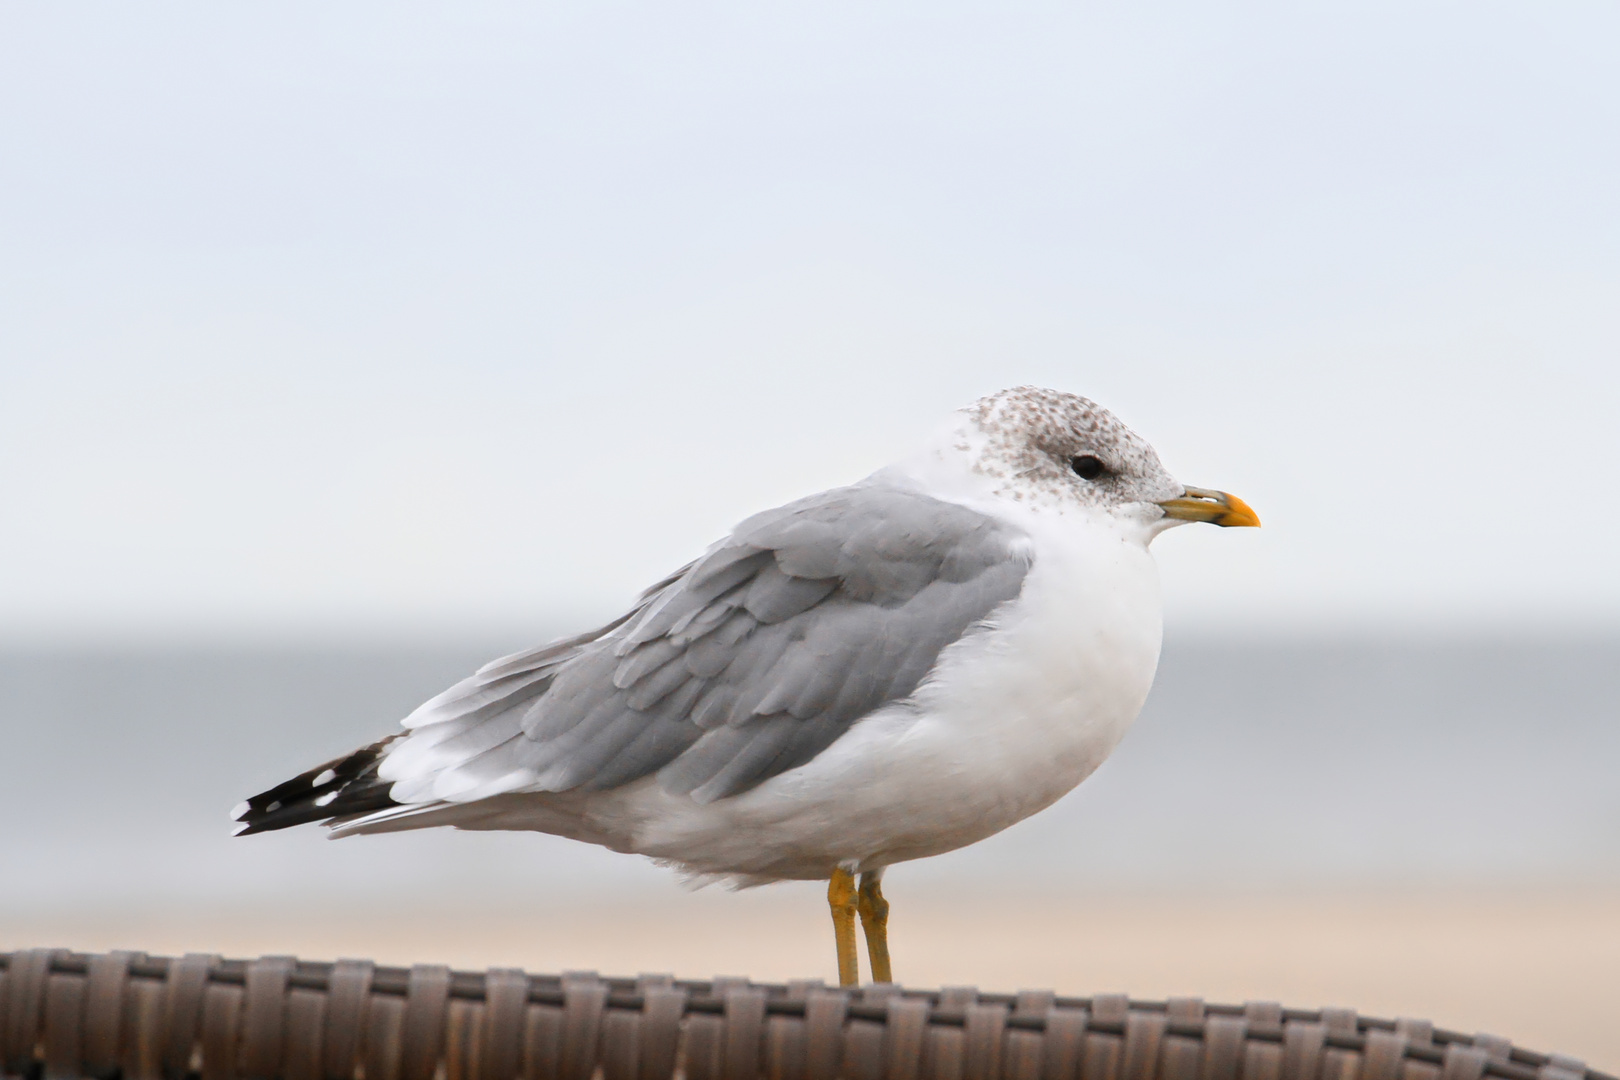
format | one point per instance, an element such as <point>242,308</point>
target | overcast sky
<point>395,318</point>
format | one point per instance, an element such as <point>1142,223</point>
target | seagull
<point>873,674</point>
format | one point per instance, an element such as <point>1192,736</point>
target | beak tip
<point>1238,514</point>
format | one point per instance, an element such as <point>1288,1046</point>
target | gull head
<point>1057,452</point>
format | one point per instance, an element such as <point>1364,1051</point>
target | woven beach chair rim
<point>129,1016</point>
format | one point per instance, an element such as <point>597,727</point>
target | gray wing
<point>742,665</point>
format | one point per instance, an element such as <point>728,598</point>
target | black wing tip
<point>342,787</point>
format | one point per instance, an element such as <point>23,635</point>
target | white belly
<point>1012,719</point>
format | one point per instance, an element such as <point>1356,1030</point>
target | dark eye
<point>1087,467</point>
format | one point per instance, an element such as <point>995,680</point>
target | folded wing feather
<point>740,666</point>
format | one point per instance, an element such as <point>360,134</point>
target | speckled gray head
<point>1051,451</point>
<point>1056,448</point>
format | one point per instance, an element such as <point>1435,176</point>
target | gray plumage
<point>741,666</point>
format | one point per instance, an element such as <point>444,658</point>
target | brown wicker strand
<point>127,1016</point>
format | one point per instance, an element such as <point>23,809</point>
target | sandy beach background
<point>1418,828</point>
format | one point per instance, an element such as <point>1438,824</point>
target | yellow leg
<point>841,898</point>
<point>875,921</point>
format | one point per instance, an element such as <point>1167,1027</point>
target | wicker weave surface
<point>66,1015</point>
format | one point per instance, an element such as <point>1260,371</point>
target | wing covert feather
<point>744,664</point>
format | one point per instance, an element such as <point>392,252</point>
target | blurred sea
<point>1257,764</point>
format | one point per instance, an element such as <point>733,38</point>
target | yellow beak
<point>1215,507</point>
